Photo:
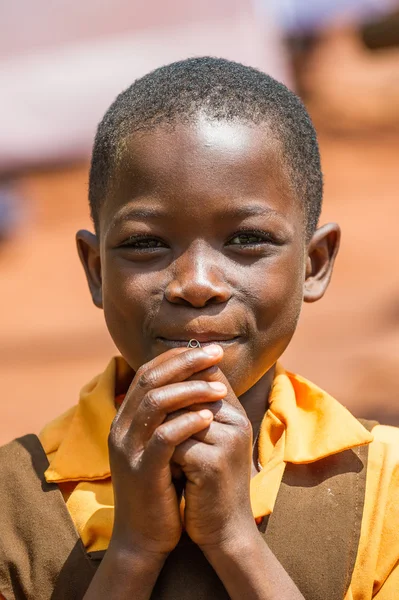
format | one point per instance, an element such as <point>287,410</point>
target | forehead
<point>204,163</point>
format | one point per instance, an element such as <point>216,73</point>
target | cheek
<point>277,303</point>
<point>274,293</point>
<point>129,307</point>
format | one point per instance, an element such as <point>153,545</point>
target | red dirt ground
<point>53,340</point>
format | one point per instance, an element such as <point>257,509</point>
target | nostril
<point>197,294</point>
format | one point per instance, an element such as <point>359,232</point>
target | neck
<point>256,402</point>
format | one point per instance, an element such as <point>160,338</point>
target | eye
<point>143,243</point>
<point>250,238</point>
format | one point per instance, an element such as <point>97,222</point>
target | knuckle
<point>195,389</point>
<point>147,379</point>
<point>244,428</point>
<point>241,421</point>
<point>140,371</point>
<point>151,401</point>
<point>229,436</point>
<point>188,359</point>
<point>218,462</point>
<point>201,387</point>
<point>245,425</point>
<point>161,437</point>
<point>191,418</point>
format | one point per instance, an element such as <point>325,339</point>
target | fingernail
<point>218,386</point>
<point>212,350</point>
<point>205,414</point>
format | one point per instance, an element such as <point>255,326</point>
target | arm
<point>125,574</point>
<point>248,569</point>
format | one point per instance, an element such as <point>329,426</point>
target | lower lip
<point>184,343</point>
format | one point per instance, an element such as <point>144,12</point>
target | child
<point>230,476</point>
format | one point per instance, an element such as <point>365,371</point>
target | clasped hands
<point>180,418</point>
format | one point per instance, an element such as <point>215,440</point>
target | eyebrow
<point>251,210</point>
<point>145,213</point>
<point>139,214</point>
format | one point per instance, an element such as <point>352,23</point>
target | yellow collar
<point>303,424</point>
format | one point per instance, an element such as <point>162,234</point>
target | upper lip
<point>201,336</point>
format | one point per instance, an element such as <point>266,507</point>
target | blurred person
<point>231,477</point>
<point>346,71</point>
<point>299,17</point>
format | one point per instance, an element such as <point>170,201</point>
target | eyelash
<point>263,238</point>
<point>136,242</point>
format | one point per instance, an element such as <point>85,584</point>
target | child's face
<point>201,238</point>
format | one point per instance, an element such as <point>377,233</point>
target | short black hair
<point>222,90</point>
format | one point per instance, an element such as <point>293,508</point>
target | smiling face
<point>201,238</point>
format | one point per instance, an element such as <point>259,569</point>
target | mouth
<point>203,339</point>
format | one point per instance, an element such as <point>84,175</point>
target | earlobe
<point>322,251</point>
<point>89,254</point>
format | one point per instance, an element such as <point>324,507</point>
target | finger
<point>126,378</point>
<point>196,455</point>
<point>157,404</point>
<point>154,362</point>
<point>161,358</point>
<point>214,434</point>
<point>222,411</point>
<point>167,436</point>
<point>177,368</point>
<point>129,380</point>
<point>216,374</point>
<point>228,415</point>
<point>222,433</point>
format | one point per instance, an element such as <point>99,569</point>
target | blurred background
<point>62,64</point>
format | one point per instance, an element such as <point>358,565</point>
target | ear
<point>322,250</point>
<point>89,254</point>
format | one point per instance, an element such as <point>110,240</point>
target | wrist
<point>248,568</point>
<point>129,554</point>
<point>234,542</point>
<point>125,572</point>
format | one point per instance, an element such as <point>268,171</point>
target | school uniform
<point>327,498</point>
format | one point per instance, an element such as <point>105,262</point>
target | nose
<point>197,280</point>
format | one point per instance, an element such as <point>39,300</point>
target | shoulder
<point>378,551</point>
<point>18,457</point>
<point>384,449</point>
<point>387,435</point>
<point>381,508</point>
<point>383,463</point>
